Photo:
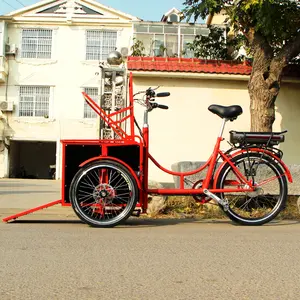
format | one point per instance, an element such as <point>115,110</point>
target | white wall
<point>67,72</point>
<point>2,37</point>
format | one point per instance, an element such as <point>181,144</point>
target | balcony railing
<point>3,69</point>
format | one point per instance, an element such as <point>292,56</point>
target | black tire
<point>263,205</point>
<point>103,193</point>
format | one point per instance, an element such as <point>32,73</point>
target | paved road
<point>27,193</point>
<point>147,259</point>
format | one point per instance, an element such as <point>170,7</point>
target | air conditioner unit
<point>173,18</point>
<point>10,49</point>
<point>6,106</point>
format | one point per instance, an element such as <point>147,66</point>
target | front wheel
<point>103,194</point>
<point>269,196</point>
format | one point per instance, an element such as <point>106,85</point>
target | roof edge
<point>90,2</point>
<point>29,7</point>
<point>165,65</point>
<point>185,75</point>
<point>188,60</point>
<point>4,17</point>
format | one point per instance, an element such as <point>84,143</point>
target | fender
<point>280,162</point>
<point>113,159</point>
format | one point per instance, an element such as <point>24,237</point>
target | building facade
<point>50,54</point>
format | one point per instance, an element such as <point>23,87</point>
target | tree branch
<point>292,49</point>
<point>263,52</point>
<point>288,52</point>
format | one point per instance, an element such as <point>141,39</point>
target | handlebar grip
<point>162,106</point>
<point>163,94</point>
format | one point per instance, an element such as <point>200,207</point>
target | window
<point>158,45</point>
<point>36,43</point>
<point>158,40</point>
<point>100,43</point>
<point>88,111</point>
<point>168,39</point>
<point>171,42</point>
<point>187,39</point>
<point>34,101</point>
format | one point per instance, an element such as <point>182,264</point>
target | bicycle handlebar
<point>151,93</point>
<point>156,105</point>
<point>162,106</point>
<point>163,94</point>
<point>149,97</point>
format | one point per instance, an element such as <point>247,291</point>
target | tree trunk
<point>262,105</point>
<point>264,85</point>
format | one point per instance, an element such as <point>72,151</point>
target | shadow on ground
<point>143,222</point>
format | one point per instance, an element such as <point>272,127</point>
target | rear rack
<point>257,138</point>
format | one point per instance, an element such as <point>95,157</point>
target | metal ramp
<point>32,210</point>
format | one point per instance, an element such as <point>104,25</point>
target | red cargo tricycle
<point>248,182</point>
<point>106,180</point>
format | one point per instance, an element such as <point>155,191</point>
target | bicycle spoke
<point>266,184</point>
<point>104,194</point>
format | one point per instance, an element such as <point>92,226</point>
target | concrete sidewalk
<point>17,195</point>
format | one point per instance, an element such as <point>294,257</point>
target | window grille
<point>36,43</point>
<point>88,111</point>
<point>34,101</point>
<point>99,44</point>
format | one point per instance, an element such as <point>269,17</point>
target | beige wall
<point>217,19</point>
<point>187,131</point>
<point>288,117</point>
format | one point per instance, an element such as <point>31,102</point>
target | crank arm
<point>224,203</point>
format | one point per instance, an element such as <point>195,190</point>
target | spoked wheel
<point>103,194</point>
<point>270,194</point>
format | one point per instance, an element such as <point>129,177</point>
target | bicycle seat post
<point>222,127</point>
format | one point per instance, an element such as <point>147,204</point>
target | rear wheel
<point>103,194</point>
<point>270,194</point>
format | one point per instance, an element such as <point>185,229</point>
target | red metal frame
<point>210,164</point>
<point>117,160</point>
<point>129,138</point>
<point>265,151</point>
<point>111,119</point>
<point>29,211</point>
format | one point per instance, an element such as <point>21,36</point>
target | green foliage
<point>216,44</point>
<point>196,8</point>
<point>212,46</point>
<point>278,21</point>
<point>160,51</point>
<point>137,48</point>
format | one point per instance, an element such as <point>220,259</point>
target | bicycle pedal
<point>136,213</point>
